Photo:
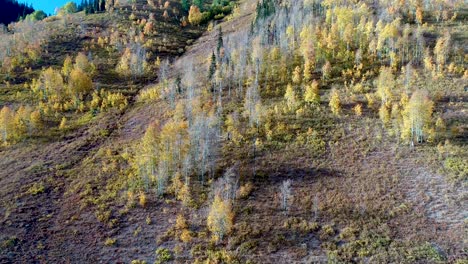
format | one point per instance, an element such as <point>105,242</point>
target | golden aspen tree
<point>419,12</point>
<point>80,84</point>
<point>290,97</point>
<point>63,123</point>
<point>384,114</point>
<point>308,68</point>
<point>335,102</point>
<point>195,16</point>
<point>6,124</point>
<point>428,61</point>
<point>36,119</point>
<point>358,110</point>
<point>82,63</point>
<point>67,66</point>
<point>21,121</point>
<point>441,51</point>
<point>326,70</point>
<point>417,117</point>
<point>148,29</point>
<point>311,94</point>
<point>220,218</point>
<point>296,77</point>
<point>385,84</point>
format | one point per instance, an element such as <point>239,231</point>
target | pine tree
<point>220,44</point>
<point>212,68</point>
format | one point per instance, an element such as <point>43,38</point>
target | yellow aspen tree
<point>419,12</point>
<point>311,94</point>
<point>36,119</point>
<point>297,73</point>
<point>358,110</point>
<point>67,66</point>
<point>6,124</point>
<point>82,63</point>
<point>326,70</point>
<point>441,51</point>
<point>220,218</point>
<point>335,102</point>
<point>21,121</point>
<point>80,84</point>
<point>308,68</point>
<point>385,85</point>
<point>63,123</point>
<point>290,97</point>
<point>417,117</point>
<point>384,114</point>
<point>195,16</point>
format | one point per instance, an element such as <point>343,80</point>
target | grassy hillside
<point>301,131</point>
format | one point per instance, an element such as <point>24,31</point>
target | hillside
<point>236,132</point>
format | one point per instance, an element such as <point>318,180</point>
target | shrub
<point>163,255</point>
<point>110,241</point>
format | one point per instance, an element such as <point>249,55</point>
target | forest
<point>12,11</point>
<point>272,131</point>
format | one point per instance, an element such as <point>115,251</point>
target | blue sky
<point>47,6</point>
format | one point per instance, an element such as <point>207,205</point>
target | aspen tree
<point>290,97</point>
<point>67,66</point>
<point>385,84</point>
<point>311,94</point>
<point>63,123</point>
<point>6,123</point>
<point>220,218</point>
<point>80,83</point>
<point>326,70</point>
<point>417,117</point>
<point>285,195</point>
<point>358,110</point>
<point>335,102</point>
<point>195,16</point>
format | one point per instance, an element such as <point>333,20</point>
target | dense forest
<point>11,11</point>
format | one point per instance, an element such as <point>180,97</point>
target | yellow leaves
<point>358,110</point>
<point>181,222</point>
<point>195,16</point>
<point>220,218</point>
<point>384,114</point>
<point>385,84</point>
<point>82,63</point>
<point>15,124</point>
<point>308,68</point>
<point>296,78</point>
<point>290,97</point>
<point>142,199</point>
<point>63,123</point>
<point>80,83</point>
<point>417,116</point>
<point>326,70</point>
<point>311,94</point>
<point>335,102</point>
<point>67,66</point>
<point>6,123</point>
